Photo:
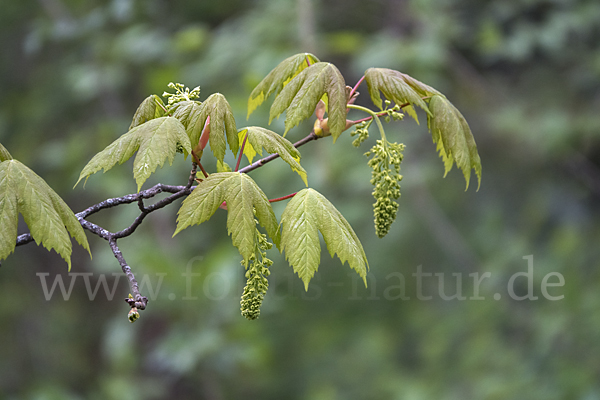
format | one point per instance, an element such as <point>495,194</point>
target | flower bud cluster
<point>181,93</point>
<point>385,177</point>
<point>393,113</point>
<point>257,270</point>
<point>362,131</point>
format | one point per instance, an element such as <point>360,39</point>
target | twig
<point>141,205</point>
<point>24,239</point>
<point>310,137</point>
<point>159,204</point>
<point>130,198</point>
<point>177,192</point>
<point>138,300</point>
<point>192,177</point>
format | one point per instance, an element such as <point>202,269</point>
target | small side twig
<point>310,137</point>
<point>141,205</point>
<point>138,301</point>
<point>159,204</point>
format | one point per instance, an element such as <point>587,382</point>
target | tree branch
<point>310,137</point>
<point>138,301</point>
<point>178,192</point>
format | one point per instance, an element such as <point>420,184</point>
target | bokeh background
<point>526,75</point>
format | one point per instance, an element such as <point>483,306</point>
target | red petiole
<point>224,204</point>
<point>237,166</point>
<point>356,87</point>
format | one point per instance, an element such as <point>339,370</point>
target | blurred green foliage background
<point>526,75</point>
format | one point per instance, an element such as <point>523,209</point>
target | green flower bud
<point>133,315</point>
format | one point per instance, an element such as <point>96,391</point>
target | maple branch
<point>177,192</point>
<point>128,199</point>
<point>138,301</point>
<point>141,205</point>
<point>310,137</point>
<point>192,177</point>
<point>159,204</point>
<point>24,239</point>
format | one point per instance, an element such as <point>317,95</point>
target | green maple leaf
<point>155,141</point>
<point>49,219</point>
<point>399,88</point>
<point>221,123</point>
<point>184,110</point>
<point>304,216</point>
<point>149,109</point>
<point>301,95</point>
<point>4,154</point>
<point>419,87</point>
<point>243,198</point>
<point>278,78</point>
<point>259,138</point>
<point>455,142</point>
<point>223,167</point>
